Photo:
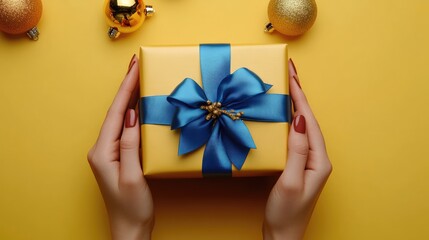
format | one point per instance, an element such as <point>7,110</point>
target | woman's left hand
<point>115,161</point>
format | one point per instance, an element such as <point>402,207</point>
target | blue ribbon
<point>227,140</point>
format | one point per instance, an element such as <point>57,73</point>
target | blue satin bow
<point>214,115</point>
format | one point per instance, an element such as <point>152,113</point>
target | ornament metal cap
<point>113,33</point>
<point>149,11</point>
<point>33,34</point>
<point>269,28</point>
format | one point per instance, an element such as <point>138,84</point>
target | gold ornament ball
<point>19,16</point>
<point>291,17</point>
<point>125,16</point>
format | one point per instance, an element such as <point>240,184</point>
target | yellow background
<point>363,66</point>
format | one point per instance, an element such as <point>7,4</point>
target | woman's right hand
<point>294,196</point>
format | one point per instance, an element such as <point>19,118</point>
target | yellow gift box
<point>163,68</point>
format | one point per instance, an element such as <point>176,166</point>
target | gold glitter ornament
<point>125,16</point>
<point>291,17</point>
<point>20,16</point>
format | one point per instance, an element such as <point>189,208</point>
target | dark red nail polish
<point>293,65</point>
<point>131,64</point>
<point>130,118</point>
<point>131,61</point>
<point>299,124</point>
<point>297,81</point>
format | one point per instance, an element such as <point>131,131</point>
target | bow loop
<point>188,93</point>
<point>187,98</point>
<point>240,86</point>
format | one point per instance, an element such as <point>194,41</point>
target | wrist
<point>124,230</point>
<point>270,233</point>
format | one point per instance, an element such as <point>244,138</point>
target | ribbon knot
<point>215,111</point>
<point>214,116</point>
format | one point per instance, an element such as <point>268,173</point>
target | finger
<point>135,95</point>
<point>298,150</point>
<point>318,166</point>
<point>112,126</point>
<point>130,172</point>
<point>316,141</point>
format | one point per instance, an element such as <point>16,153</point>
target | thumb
<point>298,149</point>
<point>130,172</point>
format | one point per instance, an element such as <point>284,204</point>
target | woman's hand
<point>294,196</point>
<point>115,161</point>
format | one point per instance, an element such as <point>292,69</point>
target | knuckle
<point>325,168</point>
<point>290,187</point>
<point>94,158</point>
<point>328,168</point>
<point>127,144</point>
<point>130,181</point>
<point>299,148</point>
<point>90,154</point>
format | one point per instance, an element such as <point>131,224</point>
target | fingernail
<point>131,64</point>
<point>297,81</point>
<point>293,66</point>
<point>293,107</point>
<point>299,124</point>
<point>130,118</point>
